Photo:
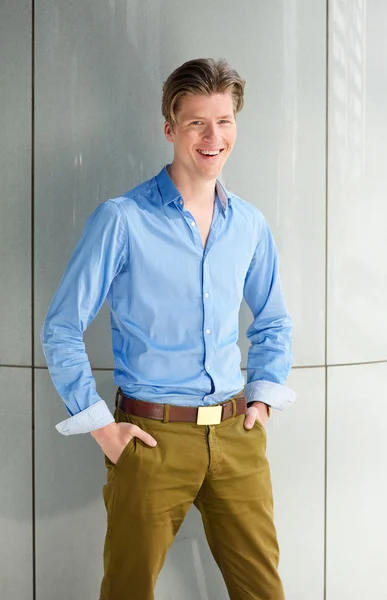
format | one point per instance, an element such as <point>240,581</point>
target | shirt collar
<point>170,193</point>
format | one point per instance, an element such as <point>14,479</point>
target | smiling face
<point>204,134</point>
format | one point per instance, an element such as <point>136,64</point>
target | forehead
<point>217,105</point>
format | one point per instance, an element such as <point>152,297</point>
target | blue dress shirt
<point>174,305</point>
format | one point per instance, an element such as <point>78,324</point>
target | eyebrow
<point>196,118</point>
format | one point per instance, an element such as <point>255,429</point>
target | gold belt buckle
<point>209,415</point>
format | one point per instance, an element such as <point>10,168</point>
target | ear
<point>168,132</point>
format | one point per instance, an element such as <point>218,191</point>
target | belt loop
<point>166,413</point>
<point>117,394</point>
<point>233,401</point>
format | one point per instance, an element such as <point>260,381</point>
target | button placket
<point>207,320</point>
<point>194,229</point>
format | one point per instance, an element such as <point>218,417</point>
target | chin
<point>211,173</point>
<point>211,169</point>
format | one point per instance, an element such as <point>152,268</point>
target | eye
<point>196,123</point>
<point>224,121</point>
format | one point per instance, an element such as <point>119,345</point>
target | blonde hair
<point>203,76</point>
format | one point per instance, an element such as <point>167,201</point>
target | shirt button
<point>193,223</point>
<point>208,331</point>
<point>207,295</point>
<point>181,201</point>
<point>208,367</point>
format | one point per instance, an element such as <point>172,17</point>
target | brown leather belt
<point>203,415</point>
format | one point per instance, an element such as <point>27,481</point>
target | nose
<point>211,134</point>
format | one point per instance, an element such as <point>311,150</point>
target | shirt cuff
<point>275,395</point>
<point>94,417</point>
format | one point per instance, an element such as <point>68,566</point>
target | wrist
<point>104,433</point>
<point>268,409</point>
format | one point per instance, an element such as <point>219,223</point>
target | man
<point>174,257</point>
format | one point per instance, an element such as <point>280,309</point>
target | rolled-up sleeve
<point>98,257</point>
<point>270,353</point>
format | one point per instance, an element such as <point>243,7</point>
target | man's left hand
<point>257,411</point>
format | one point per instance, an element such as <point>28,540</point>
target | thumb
<point>145,437</point>
<point>249,420</point>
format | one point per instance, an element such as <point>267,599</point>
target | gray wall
<point>311,155</point>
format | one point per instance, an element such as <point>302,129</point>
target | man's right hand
<point>115,437</point>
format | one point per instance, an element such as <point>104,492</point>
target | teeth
<point>209,152</point>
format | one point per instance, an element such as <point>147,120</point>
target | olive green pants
<point>224,471</point>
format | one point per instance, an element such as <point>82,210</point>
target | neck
<point>194,191</point>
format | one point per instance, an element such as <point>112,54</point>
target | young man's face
<point>204,134</point>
